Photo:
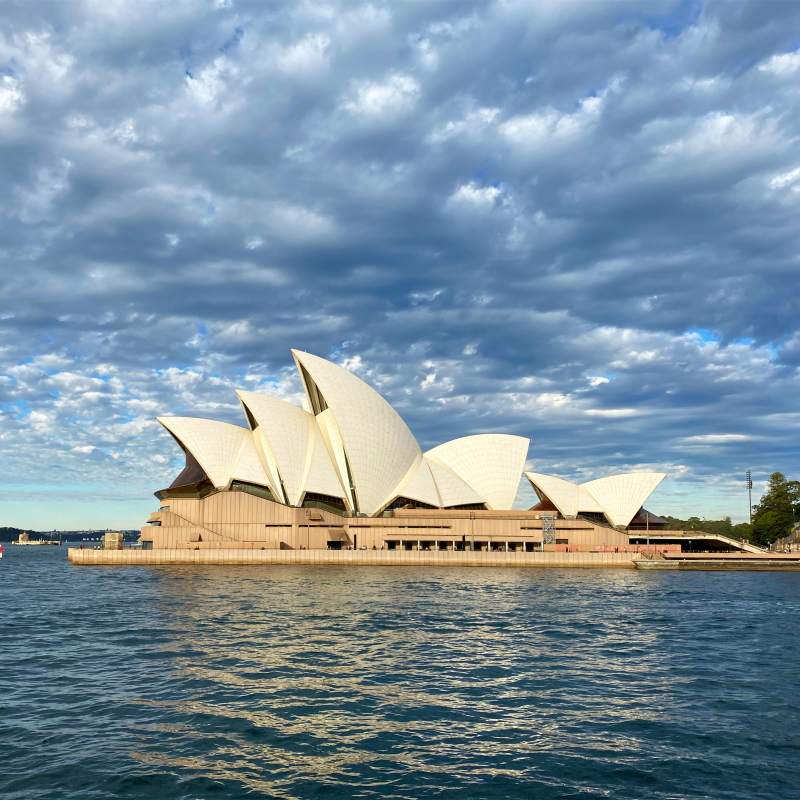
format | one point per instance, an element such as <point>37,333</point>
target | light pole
<point>750,496</point>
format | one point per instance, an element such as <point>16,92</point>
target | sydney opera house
<point>346,472</point>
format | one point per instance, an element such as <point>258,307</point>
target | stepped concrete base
<point>716,563</point>
<point>374,558</point>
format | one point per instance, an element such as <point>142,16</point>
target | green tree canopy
<point>722,526</point>
<point>772,517</point>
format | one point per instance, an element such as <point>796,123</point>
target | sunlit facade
<point>344,470</point>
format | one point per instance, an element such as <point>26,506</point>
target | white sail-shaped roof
<point>563,494</point>
<point>491,463</point>
<point>332,439</point>
<point>418,485</point>
<point>621,496</point>
<point>269,462</point>
<point>322,477</point>
<point>287,429</point>
<point>380,448</point>
<point>215,445</point>
<point>587,503</point>
<point>452,489</point>
<point>248,465</point>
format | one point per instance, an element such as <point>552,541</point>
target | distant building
<point>348,472</point>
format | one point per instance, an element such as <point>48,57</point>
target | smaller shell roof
<point>215,445</point>
<point>563,494</point>
<point>621,496</point>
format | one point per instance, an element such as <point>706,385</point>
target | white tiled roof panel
<point>380,448</point>
<point>287,428</point>
<point>248,466</point>
<point>452,490</point>
<point>491,463</point>
<point>621,496</point>
<point>322,476</point>
<point>422,486</point>
<point>587,503</point>
<point>563,494</point>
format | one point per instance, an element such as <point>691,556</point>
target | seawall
<point>382,558</point>
<point>723,561</point>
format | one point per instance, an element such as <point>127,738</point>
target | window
<point>251,488</point>
<point>407,502</point>
<point>597,517</point>
<point>325,502</point>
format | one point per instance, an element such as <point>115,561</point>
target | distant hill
<point>12,534</point>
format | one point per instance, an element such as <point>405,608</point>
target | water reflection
<point>195,682</point>
<point>347,677</point>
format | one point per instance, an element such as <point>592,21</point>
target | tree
<point>722,526</point>
<point>773,517</point>
<point>769,526</point>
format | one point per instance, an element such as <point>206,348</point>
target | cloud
<point>611,412</point>
<point>785,179</point>
<point>396,95</point>
<point>551,221</point>
<point>11,96</point>
<point>718,438</point>
<point>782,64</point>
<point>472,195</point>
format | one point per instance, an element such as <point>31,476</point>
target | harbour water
<point>300,682</point>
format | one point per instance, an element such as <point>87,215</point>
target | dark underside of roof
<point>192,482</point>
<point>544,505</point>
<point>647,519</point>
<point>191,474</point>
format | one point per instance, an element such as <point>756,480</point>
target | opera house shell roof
<point>352,449</point>
<point>618,497</point>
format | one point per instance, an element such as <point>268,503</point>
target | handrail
<point>669,534</point>
<point>196,525</point>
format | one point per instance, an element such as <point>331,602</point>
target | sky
<point>574,222</point>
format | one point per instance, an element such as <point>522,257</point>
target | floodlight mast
<point>750,495</point>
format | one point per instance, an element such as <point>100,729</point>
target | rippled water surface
<point>228,682</point>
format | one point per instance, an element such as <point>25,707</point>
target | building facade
<point>346,471</point>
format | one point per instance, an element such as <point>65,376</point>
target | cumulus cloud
<point>782,64</point>
<point>384,99</point>
<point>574,224</point>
